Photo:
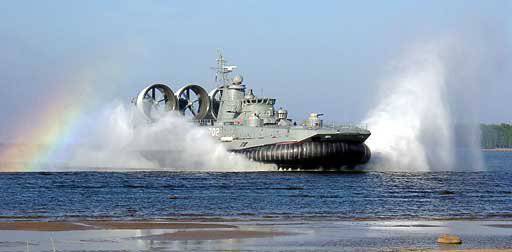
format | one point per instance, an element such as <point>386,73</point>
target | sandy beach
<point>259,235</point>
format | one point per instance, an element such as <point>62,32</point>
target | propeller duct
<point>156,99</point>
<point>193,101</point>
<point>215,96</point>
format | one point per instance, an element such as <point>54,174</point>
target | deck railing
<point>330,124</point>
<point>335,125</point>
<point>205,122</point>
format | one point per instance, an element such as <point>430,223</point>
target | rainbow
<point>46,132</point>
<point>41,137</point>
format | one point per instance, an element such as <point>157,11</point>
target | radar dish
<point>193,101</point>
<point>237,80</point>
<point>156,99</point>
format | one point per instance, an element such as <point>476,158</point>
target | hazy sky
<point>314,56</point>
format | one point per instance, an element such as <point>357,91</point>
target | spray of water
<point>123,139</point>
<point>415,125</point>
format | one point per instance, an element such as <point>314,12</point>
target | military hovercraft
<point>251,126</point>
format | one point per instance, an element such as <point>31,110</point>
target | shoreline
<point>238,218</point>
<point>326,235</point>
<point>91,225</point>
<point>57,226</point>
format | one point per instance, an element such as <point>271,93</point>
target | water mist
<point>123,139</point>
<point>423,121</point>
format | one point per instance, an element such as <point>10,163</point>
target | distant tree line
<point>496,136</point>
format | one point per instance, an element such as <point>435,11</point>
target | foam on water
<point>421,107</point>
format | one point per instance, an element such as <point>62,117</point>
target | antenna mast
<point>222,71</point>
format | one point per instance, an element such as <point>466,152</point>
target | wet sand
<point>211,235</point>
<point>104,225</point>
<point>257,235</point>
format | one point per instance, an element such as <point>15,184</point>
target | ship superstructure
<point>251,125</point>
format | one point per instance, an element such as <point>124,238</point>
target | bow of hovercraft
<point>311,149</point>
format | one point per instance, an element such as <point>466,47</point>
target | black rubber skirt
<point>310,155</point>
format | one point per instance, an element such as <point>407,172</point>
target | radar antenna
<point>222,71</point>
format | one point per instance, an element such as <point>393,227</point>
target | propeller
<point>156,99</point>
<point>193,101</point>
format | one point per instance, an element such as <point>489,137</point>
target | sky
<point>314,56</point>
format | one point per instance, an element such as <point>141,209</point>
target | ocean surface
<point>261,195</point>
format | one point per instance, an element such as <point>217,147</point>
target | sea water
<point>261,195</point>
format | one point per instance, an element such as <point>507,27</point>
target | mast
<point>222,71</point>
<point>232,93</point>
